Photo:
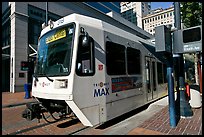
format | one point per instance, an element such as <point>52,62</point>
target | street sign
<point>188,40</point>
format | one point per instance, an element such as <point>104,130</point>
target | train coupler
<point>32,111</point>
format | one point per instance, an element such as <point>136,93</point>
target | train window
<point>133,61</point>
<point>165,72</point>
<point>147,67</point>
<point>115,59</point>
<point>154,76</point>
<point>161,73</point>
<point>85,59</point>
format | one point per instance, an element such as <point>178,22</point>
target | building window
<point>35,21</point>
<point>34,29</point>
<point>6,27</point>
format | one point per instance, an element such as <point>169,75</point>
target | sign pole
<point>185,109</point>
<point>163,42</point>
<point>172,110</point>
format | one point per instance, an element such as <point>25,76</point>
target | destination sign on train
<point>58,35</point>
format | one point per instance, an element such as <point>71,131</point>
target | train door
<point>150,68</point>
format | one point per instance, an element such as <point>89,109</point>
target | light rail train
<point>93,70</point>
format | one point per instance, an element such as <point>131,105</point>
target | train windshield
<point>54,52</point>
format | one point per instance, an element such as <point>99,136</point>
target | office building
<point>135,11</point>
<point>158,17</point>
<point>105,7</point>
<point>21,27</point>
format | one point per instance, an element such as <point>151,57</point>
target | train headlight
<point>61,83</point>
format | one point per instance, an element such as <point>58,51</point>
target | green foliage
<point>191,13</point>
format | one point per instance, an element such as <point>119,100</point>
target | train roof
<point>99,24</point>
<point>86,20</point>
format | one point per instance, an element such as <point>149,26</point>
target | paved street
<point>14,124</point>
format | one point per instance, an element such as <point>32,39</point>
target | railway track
<point>16,125</point>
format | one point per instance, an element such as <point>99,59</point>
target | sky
<point>163,5</point>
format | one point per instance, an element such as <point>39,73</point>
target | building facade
<point>21,27</point>
<point>158,17</point>
<point>105,7</point>
<point>135,11</point>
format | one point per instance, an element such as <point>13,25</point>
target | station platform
<point>156,124</point>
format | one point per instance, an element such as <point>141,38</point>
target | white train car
<point>94,70</point>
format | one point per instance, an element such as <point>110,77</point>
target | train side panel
<point>89,92</point>
<point>127,91</point>
<point>102,97</point>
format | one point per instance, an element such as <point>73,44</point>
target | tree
<point>191,15</point>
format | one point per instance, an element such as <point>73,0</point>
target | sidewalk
<point>159,124</point>
<point>156,124</point>
<point>14,99</point>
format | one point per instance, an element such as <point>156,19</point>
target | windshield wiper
<point>35,76</point>
<point>49,78</point>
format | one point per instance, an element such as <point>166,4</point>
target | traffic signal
<point>24,65</point>
<point>188,40</point>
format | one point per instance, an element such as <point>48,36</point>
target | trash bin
<point>27,89</point>
<point>195,97</point>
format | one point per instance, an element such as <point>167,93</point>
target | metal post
<point>200,71</point>
<point>185,68</point>
<point>185,109</point>
<point>46,14</point>
<point>172,110</point>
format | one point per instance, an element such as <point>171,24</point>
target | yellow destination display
<point>58,35</point>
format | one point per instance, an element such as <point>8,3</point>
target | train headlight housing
<point>61,83</point>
